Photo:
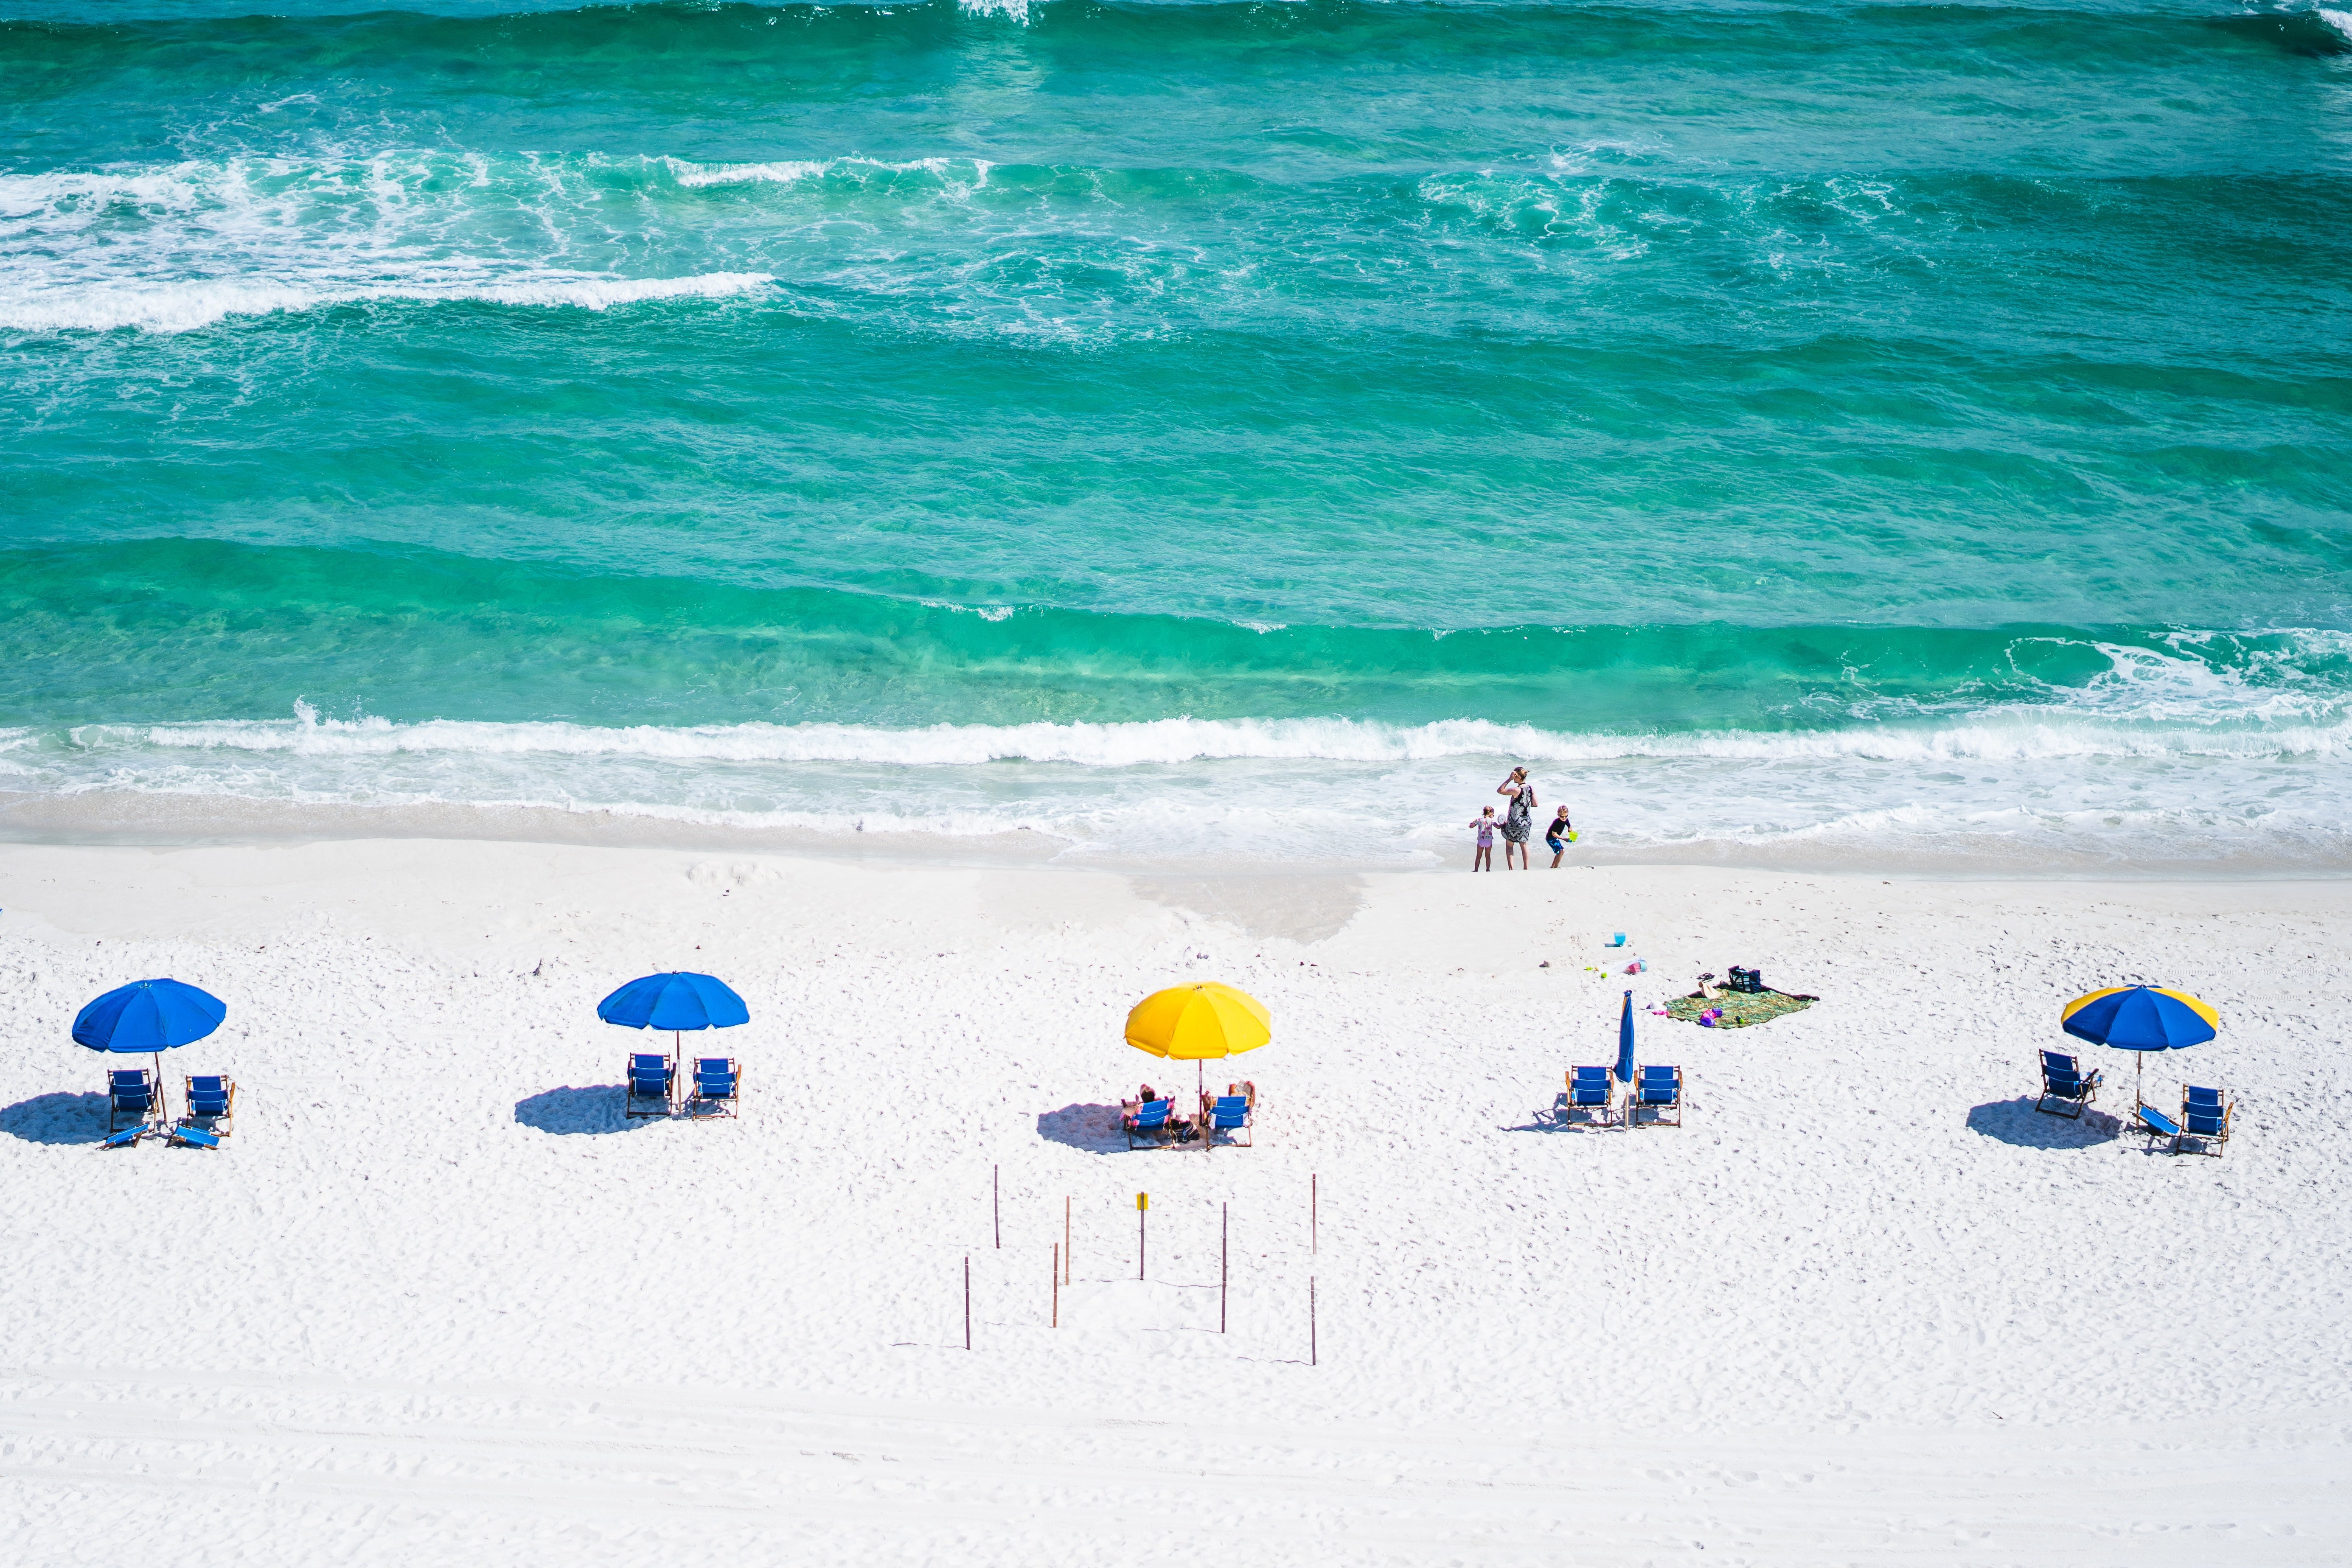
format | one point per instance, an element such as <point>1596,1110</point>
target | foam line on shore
<point>2019,734</point>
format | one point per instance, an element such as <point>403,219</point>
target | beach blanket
<point>1740,1008</point>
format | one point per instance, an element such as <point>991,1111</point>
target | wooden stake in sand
<point>1057,1287</point>
<point>1225,1234</point>
<point>1142,1202</point>
<point>967,1300</point>
<point>1310,1320</point>
<point>996,1204</point>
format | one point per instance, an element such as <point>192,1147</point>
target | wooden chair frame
<point>669,1093</point>
<point>2087,1082</point>
<point>726,1108</point>
<point>1564,1107</point>
<point>1249,1121</point>
<point>1636,1103</point>
<point>220,1126</point>
<point>1158,1137</point>
<point>155,1115</point>
<point>2209,1142</point>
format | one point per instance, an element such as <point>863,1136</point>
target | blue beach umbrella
<point>675,1001</point>
<point>148,1015</point>
<point>1625,1042</point>
<point>2140,1019</point>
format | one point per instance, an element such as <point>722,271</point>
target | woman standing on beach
<point>1520,819</point>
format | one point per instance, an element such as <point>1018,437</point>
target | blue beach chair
<point>131,1099</point>
<point>717,1082</point>
<point>2063,1080</point>
<point>2156,1124</point>
<point>1592,1093</point>
<point>1656,1090</point>
<point>1235,1115</point>
<point>126,1138</point>
<point>2204,1118</point>
<point>1147,1120</point>
<point>650,1077</point>
<point>212,1106</point>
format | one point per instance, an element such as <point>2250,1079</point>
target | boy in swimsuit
<point>1556,838</point>
<point>1485,859</point>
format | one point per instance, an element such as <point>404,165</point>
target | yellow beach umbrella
<point>1193,1023</point>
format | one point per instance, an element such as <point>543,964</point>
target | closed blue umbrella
<point>151,1016</point>
<point>1625,1042</point>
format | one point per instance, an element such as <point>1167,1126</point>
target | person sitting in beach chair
<point>2204,1118</point>
<point>1150,1120</point>
<point>1591,1096</point>
<point>212,1106</point>
<point>1657,1091</point>
<point>717,1080</point>
<point>1232,1113</point>
<point>2064,1082</point>
<point>650,1077</point>
<point>132,1099</point>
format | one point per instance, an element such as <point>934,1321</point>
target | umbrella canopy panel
<point>1195,1023</point>
<point>148,1015</point>
<point>677,1000</point>
<point>2139,1018</point>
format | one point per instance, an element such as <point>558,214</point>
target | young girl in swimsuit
<point>1485,859</point>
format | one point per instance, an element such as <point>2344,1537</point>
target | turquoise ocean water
<point>1193,429</point>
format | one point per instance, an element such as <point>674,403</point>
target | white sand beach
<point>435,1302</point>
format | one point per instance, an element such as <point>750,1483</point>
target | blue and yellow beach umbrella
<point>2140,1019</point>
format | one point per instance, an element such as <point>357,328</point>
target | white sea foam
<point>783,171</point>
<point>170,249</point>
<point>182,307</point>
<point>951,174</point>
<point>2169,753</point>
<point>2339,20</point>
<point>2055,778</point>
<point>2135,726</point>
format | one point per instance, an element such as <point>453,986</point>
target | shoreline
<point>132,819</point>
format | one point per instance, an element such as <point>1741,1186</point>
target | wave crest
<point>2000,737</point>
<point>186,306</point>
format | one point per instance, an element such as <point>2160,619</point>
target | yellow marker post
<point>1142,1202</point>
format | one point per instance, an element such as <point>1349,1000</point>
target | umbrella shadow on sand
<point>2015,1121</point>
<point>1094,1128</point>
<point>597,1109</point>
<point>57,1118</point>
